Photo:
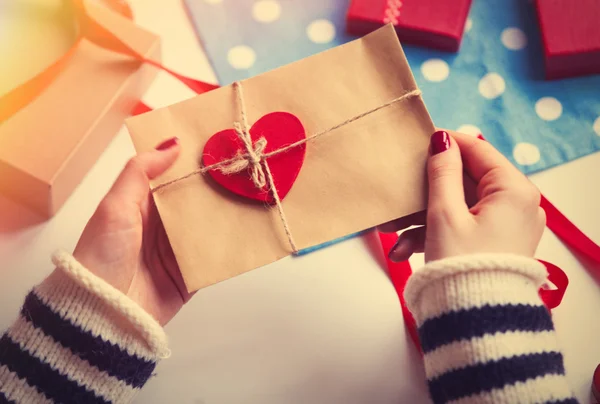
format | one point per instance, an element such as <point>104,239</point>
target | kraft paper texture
<point>363,174</point>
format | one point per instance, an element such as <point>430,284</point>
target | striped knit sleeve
<point>485,333</point>
<point>78,340</point>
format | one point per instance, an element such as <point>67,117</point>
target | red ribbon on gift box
<point>431,23</point>
<point>89,29</point>
<point>391,12</point>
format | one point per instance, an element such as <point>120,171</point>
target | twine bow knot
<point>253,158</point>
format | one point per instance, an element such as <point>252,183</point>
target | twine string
<point>254,154</point>
<point>252,159</point>
<point>255,159</point>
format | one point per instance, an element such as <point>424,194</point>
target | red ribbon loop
<point>553,297</point>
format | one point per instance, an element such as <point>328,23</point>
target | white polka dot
<point>468,25</point>
<point>321,31</point>
<point>597,126</point>
<point>526,154</point>
<point>213,1</point>
<point>469,130</point>
<point>266,10</point>
<point>492,85</point>
<point>435,70</point>
<point>241,57</point>
<point>548,108</point>
<point>513,38</point>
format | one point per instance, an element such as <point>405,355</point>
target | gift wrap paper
<point>365,173</point>
<point>494,85</point>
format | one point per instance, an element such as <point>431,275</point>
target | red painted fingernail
<point>439,142</point>
<point>167,144</point>
<point>596,384</point>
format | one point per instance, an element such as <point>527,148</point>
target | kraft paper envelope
<point>362,174</point>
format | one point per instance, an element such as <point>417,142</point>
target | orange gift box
<point>53,132</point>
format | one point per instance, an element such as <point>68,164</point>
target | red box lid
<point>433,23</point>
<point>570,37</point>
<point>569,26</point>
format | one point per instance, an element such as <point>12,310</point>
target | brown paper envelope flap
<point>360,175</point>
<point>52,126</point>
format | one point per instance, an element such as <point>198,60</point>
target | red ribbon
<point>571,235</point>
<point>399,273</point>
<point>553,297</point>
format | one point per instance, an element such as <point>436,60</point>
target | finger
<point>415,219</point>
<point>470,187</point>
<point>469,184</point>
<point>491,170</point>
<point>445,176</point>
<point>410,242</point>
<point>480,157</point>
<point>133,183</point>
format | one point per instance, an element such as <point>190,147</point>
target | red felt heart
<point>279,129</point>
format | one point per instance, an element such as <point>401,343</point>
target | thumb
<point>445,172</point>
<point>133,183</point>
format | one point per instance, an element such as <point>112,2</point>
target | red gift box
<point>437,24</point>
<point>570,37</point>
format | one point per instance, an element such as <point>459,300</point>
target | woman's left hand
<point>125,242</point>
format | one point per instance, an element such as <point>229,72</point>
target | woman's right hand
<point>505,217</point>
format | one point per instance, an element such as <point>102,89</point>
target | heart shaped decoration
<point>279,129</point>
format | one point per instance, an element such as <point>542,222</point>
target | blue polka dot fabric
<point>494,85</point>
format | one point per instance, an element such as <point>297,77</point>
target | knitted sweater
<point>485,333</point>
<point>78,340</point>
<point>486,337</point>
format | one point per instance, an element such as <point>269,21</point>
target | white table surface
<point>324,328</point>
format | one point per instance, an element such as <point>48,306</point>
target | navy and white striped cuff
<point>75,341</point>
<point>485,333</point>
